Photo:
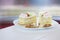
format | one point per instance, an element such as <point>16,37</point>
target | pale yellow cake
<point>45,19</point>
<point>31,20</point>
<point>27,18</point>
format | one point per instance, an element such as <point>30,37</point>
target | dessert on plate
<point>31,20</point>
<point>27,19</point>
<point>45,19</point>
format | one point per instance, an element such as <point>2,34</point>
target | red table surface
<point>4,24</point>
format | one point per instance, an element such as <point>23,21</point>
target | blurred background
<point>10,9</point>
<point>30,2</point>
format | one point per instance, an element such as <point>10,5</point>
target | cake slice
<point>45,19</point>
<point>27,18</point>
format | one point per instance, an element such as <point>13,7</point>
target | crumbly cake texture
<point>29,20</point>
<point>45,19</point>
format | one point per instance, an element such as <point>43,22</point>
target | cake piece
<point>45,19</point>
<point>27,18</point>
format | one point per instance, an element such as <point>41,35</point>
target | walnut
<point>29,26</point>
<point>47,25</point>
<point>27,15</point>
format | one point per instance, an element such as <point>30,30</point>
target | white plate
<point>22,27</point>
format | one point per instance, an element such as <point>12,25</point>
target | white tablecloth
<point>13,33</point>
